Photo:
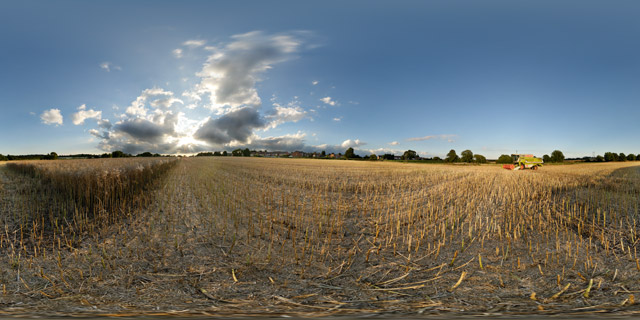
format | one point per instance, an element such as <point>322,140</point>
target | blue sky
<point>494,77</point>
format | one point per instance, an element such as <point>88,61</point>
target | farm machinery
<point>524,161</point>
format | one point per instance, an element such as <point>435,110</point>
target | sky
<point>180,77</point>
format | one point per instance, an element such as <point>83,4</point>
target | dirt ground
<point>175,258</point>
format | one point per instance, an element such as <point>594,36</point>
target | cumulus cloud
<point>145,130</point>
<point>108,66</point>
<point>337,119</point>
<point>83,114</point>
<point>341,148</point>
<point>446,137</point>
<point>329,101</point>
<point>165,102</point>
<point>384,150</point>
<point>51,116</point>
<point>291,112</point>
<point>394,143</point>
<point>194,43</point>
<point>148,124</point>
<point>159,98</point>
<point>236,125</point>
<point>288,142</point>
<point>285,114</point>
<point>230,74</point>
<point>157,120</point>
<point>98,134</point>
<point>315,82</point>
<point>352,143</point>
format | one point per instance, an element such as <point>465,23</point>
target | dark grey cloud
<point>141,129</point>
<point>284,143</point>
<point>237,126</point>
<point>104,124</point>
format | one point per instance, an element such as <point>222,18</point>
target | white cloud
<point>164,99</point>
<point>315,82</point>
<point>446,137</point>
<point>193,96</point>
<point>352,143</point>
<point>329,101</point>
<point>337,119</point>
<point>108,66</point>
<point>286,114</point>
<point>194,43</point>
<point>104,123</point>
<point>292,112</point>
<point>51,116</point>
<point>394,143</point>
<point>231,72</point>
<point>165,102</point>
<point>227,86</point>
<point>79,117</point>
<point>380,151</point>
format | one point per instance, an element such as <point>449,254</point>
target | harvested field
<point>248,236</point>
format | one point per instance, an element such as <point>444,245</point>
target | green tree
<point>438,159</point>
<point>478,158</point>
<point>599,158</point>
<point>622,157</point>
<point>546,158</point>
<point>237,152</point>
<point>224,153</point>
<point>409,155</point>
<point>51,156</point>
<point>145,154</point>
<point>217,154</point>
<point>504,159</point>
<point>467,156</point>
<point>610,156</point>
<point>557,156</point>
<point>323,153</point>
<point>3,158</point>
<point>117,154</point>
<point>452,156</point>
<point>631,157</point>
<point>373,157</point>
<point>246,152</point>
<point>349,154</point>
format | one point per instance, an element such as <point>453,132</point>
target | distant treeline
<point>612,156</point>
<point>55,156</point>
<point>409,155</point>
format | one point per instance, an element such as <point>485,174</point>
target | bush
<point>557,156</point>
<point>504,159</point>
<point>478,158</point>
<point>409,155</point>
<point>610,156</point>
<point>452,156</point>
<point>467,156</point>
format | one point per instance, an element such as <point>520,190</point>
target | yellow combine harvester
<point>524,161</point>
